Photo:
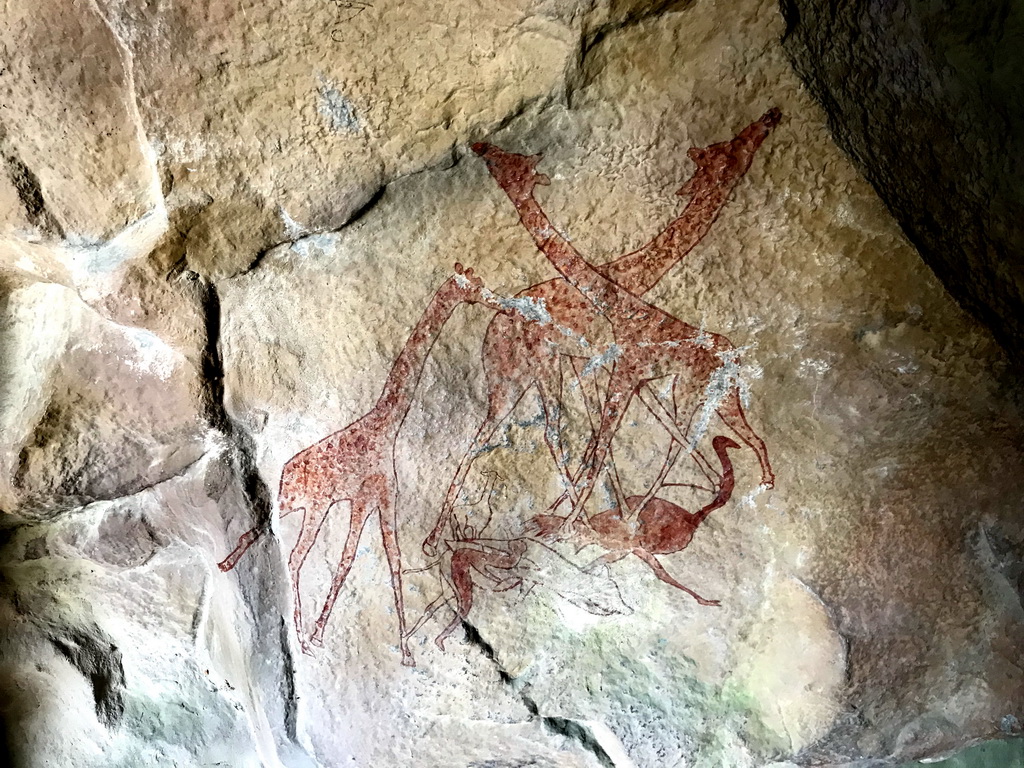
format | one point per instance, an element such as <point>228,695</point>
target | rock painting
<point>357,464</point>
<point>556,322</point>
<point>654,527</point>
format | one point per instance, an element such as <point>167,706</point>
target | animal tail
<point>722,445</point>
<point>245,541</point>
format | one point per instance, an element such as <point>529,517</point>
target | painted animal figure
<point>504,564</point>
<point>356,464</point>
<point>662,528</point>
<point>493,559</point>
<point>648,343</point>
<point>519,355</point>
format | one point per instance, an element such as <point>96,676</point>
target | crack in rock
<point>560,726</point>
<point>242,454</point>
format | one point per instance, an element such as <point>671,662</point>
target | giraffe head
<point>723,164</point>
<point>516,174</point>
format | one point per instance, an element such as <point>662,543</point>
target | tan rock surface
<point>174,343</point>
<point>70,116</point>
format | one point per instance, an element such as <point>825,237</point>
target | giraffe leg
<point>462,581</point>
<point>731,411</point>
<point>503,401</point>
<point>593,402</point>
<point>661,573</point>
<point>609,464</point>
<point>482,437</point>
<point>551,404</point>
<point>674,449</point>
<point>389,532</point>
<point>360,511</point>
<point>671,424</point>
<point>620,391</point>
<point>313,516</point>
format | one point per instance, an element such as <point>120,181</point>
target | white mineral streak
<point>612,353</point>
<point>95,267</point>
<point>149,354</point>
<point>292,229</point>
<point>527,307</point>
<point>731,374</point>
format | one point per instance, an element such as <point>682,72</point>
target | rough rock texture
<point>227,225</point>
<point>926,97</point>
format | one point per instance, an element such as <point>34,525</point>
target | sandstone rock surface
<point>256,226</point>
<point>925,98</point>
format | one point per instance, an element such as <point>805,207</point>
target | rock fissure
<point>560,726</point>
<point>257,494</point>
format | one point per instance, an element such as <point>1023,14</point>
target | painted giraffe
<point>519,354</point>
<point>357,464</point>
<point>648,343</point>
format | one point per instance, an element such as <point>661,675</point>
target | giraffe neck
<point>396,397</point>
<point>605,295</point>
<point>639,271</point>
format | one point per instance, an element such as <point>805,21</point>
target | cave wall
<point>925,97</point>
<point>232,231</point>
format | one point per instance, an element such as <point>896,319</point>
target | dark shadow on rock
<point>264,590</point>
<point>926,98</point>
<point>91,651</point>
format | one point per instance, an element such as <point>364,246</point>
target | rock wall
<point>925,97</point>
<point>736,483</point>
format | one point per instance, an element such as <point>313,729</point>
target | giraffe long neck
<point>396,397</point>
<point>639,271</point>
<point>604,294</point>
